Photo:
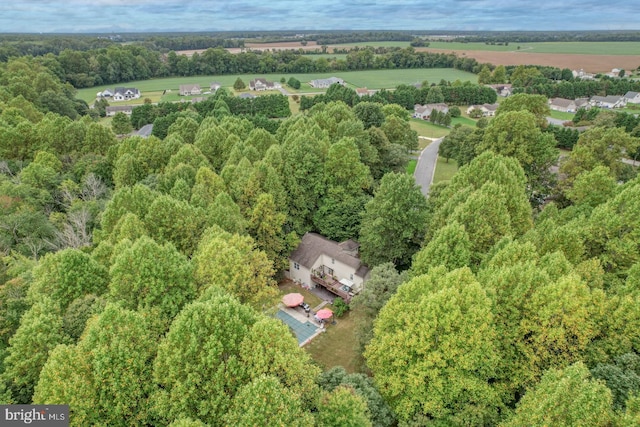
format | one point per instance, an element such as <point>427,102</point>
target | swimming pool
<point>302,331</point>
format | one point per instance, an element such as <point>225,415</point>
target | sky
<point>81,16</point>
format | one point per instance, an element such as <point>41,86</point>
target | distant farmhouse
<point>583,75</point>
<point>263,84</point>
<point>488,110</point>
<point>325,83</point>
<point>186,90</point>
<point>503,90</point>
<point>113,110</point>
<point>632,97</point>
<point>214,86</point>
<point>363,91</point>
<point>120,94</point>
<point>610,101</point>
<point>568,105</point>
<point>125,94</point>
<point>424,111</point>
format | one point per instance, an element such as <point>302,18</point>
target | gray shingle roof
<point>313,245</point>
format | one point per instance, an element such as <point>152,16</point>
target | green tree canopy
<point>434,354</point>
<point>566,397</point>
<point>393,222</point>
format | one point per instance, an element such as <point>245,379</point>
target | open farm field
<point>590,63</point>
<point>372,79</point>
<point>582,48</point>
<point>374,44</point>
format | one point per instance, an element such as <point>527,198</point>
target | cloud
<point>216,15</point>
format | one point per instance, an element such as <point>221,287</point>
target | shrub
<point>340,307</point>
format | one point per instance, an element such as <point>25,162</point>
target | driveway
<point>145,130</point>
<point>426,166</point>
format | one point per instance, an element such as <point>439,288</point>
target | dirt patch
<point>590,63</point>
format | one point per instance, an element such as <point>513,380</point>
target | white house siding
<point>341,270</point>
<point>301,274</point>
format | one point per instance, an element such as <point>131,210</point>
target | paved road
<point>145,130</point>
<point>556,122</point>
<point>426,166</point>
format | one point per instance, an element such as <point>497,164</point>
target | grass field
<point>336,347</point>
<point>425,128</point>
<point>444,171</point>
<point>561,115</point>
<point>585,48</point>
<point>411,166</point>
<point>465,121</point>
<point>372,79</point>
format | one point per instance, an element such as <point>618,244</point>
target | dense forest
<point>137,272</point>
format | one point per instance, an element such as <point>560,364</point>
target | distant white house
<point>186,90</point>
<point>318,261</point>
<point>615,72</point>
<point>214,86</point>
<point>263,84</point>
<point>632,97</point>
<point>325,83</point>
<point>424,111</point>
<point>610,101</point>
<point>125,94</point>
<point>112,110</point>
<point>583,75</point>
<point>488,110</point>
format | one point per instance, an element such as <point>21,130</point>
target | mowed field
<point>371,79</point>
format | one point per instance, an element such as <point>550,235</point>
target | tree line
<point>135,270</point>
<point>456,93</point>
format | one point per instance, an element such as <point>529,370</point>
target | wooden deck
<point>332,285</point>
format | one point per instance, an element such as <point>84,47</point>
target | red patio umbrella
<point>324,314</point>
<point>292,300</point>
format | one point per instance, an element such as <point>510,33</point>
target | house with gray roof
<point>325,83</point>
<point>318,261</point>
<point>125,94</point>
<point>263,84</point>
<point>187,90</point>
<point>610,101</point>
<point>488,110</point>
<point>424,111</point>
<point>632,97</point>
<point>112,110</point>
<point>563,104</point>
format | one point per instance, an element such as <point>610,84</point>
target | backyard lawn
<point>337,346</point>
<point>288,286</point>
